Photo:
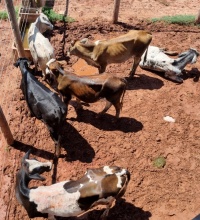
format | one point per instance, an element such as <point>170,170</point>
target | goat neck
<point>22,191</point>
<point>185,58</point>
<point>39,25</point>
<point>22,181</point>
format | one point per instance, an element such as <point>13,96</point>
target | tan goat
<point>115,50</point>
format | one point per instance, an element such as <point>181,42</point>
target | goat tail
<point>124,81</point>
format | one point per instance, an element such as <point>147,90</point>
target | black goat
<point>42,102</point>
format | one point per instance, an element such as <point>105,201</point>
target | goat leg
<point>134,67</point>
<point>58,147</point>
<point>79,105</point>
<point>51,217</point>
<point>105,213</point>
<point>108,202</point>
<point>107,106</point>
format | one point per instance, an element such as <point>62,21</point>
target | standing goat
<point>157,60</point>
<point>100,186</point>
<point>43,103</point>
<point>115,50</point>
<point>89,88</point>
<point>40,47</point>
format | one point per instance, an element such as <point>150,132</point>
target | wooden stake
<point>66,8</point>
<point>116,11</point>
<point>5,128</point>
<point>197,19</point>
<point>15,28</point>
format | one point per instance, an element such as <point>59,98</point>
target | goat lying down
<point>30,169</point>
<point>40,47</point>
<point>101,186</point>
<point>89,88</point>
<point>44,104</point>
<point>157,60</point>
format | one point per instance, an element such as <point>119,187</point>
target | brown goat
<point>89,89</point>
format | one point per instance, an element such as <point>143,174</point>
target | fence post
<point>197,19</point>
<point>15,28</point>
<point>116,11</point>
<point>5,128</point>
<point>66,8</point>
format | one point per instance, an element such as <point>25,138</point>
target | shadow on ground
<point>108,122</point>
<point>121,211</point>
<point>77,148</point>
<point>142,81</point>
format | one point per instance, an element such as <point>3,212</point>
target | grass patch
<point>4,14</point>
<point>53,16</point>
<point>177,19</point>
<point>159,162</point>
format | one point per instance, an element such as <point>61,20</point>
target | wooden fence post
<point>197,19</point>
<point>116,11</point>
<point>66,8</point>
<point>15,28</point>
<point>5,128</point>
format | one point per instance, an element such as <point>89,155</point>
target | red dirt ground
<point>140,135</point>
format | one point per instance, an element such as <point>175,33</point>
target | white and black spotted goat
<point>30,169</point>
<point>101,186</point>
<point>40,46</point>
<point>158,60</point>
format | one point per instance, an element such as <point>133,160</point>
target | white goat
<point>40,47</point>
<point>157,60</point>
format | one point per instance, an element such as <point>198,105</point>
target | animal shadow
<point>121,210</point>
<point>142,81</point>
<point>76,146</point>
<point>35,151</point>
<point>108,122</point>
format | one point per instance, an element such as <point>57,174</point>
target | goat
<point>116,50</point>
<point>30,169</point>
<point>89,88</point>
<point>40,47</point>
<point>157,60</point>
<point>99,186</point>
<point>44,104</point>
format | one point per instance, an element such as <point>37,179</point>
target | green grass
<point>48,11</point>
<point>159,162</point>
<point>4,14</point>
<point>53,16</point>
<point>177,19</point>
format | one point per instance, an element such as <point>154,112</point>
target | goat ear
<point>36,176</point>
<point>16,64</point>
<point>84,40</point>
